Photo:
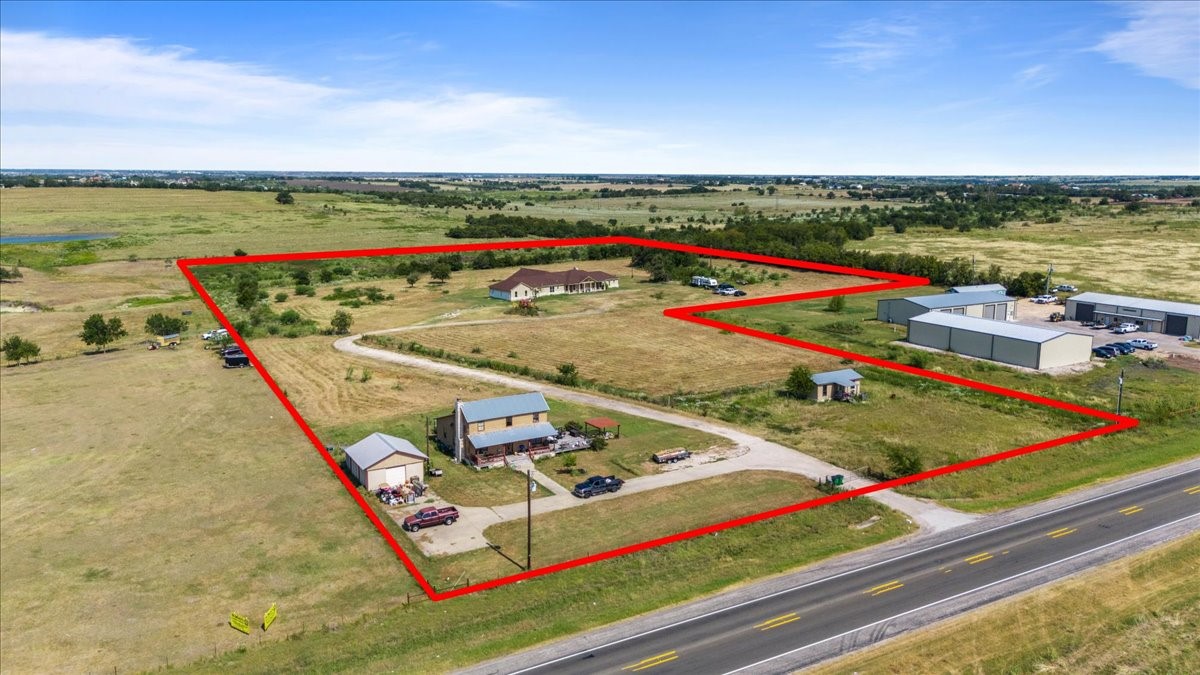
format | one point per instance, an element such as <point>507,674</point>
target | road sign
<point>239,622</point>
<point>269,617</point>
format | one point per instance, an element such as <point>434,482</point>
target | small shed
<point>380,459</point>
<point>602,425</point>
<point>837,385</point>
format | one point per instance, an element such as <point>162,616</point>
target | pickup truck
<point>430,516</point>
<point>597,485</point>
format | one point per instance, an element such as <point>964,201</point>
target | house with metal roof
<point>485,432</point>
<point>982,304</point>
<point>1155,316</point>
<point>1003,341</point>
<point>980,288</point>
<point>530,284</point>
<point>380,459</point>
<point>836,385</point>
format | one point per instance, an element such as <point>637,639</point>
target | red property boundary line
<point>690,313</point>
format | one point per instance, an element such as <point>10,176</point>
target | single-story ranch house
<point>528,284</point>
<point>836,385</point>
<point>983,304</point>
<point>484,432</point>
<point>380,459</point>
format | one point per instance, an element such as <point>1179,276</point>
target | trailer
<point>670,456</point>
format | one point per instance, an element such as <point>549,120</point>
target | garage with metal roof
<point>1155,316</point>
<point>983,304</point>
<point>1002,341</point>
<point>380,459</point>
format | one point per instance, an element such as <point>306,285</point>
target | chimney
<point>458,431</point>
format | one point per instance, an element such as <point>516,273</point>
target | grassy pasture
<point>147,495</point>
<point>626,341</point>
<point>195,223</point>
<point>1151,254</point>
<point>1140,614</point>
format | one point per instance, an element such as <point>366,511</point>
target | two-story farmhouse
<point>484,432</point>
<point>529,284</point>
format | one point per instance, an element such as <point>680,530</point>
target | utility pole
<point>1120,389</point>
<point>529,518</point>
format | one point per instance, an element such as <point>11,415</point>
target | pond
<point>52,238</point>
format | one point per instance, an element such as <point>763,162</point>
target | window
<point>537,417</point>
<point>508,421</point>
<point>480,427</point>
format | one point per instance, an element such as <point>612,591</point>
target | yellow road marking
<point>652,661</point>
<point>978,558</point>
<point>1130,510</point>
<point>884,588</point>
<point>1062,532</point>
<point>778,621</point>
<point>1194,490</point>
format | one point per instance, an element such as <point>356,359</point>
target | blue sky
<point>837,88</point>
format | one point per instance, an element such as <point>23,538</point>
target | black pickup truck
<point>597,485</point>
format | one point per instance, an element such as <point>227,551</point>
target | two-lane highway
<point>763,633</point>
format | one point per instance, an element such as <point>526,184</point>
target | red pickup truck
<point>430,516</point>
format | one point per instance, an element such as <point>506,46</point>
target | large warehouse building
<point>1156,316</point>
<point>999,340</point>
<point>982,304</point>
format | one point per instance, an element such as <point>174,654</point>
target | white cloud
<point>112,102</point>
<point>1162,39</point>
<point>875,44</point>
<point>1035,76</point>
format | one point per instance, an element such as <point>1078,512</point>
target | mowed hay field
<point>314,376</point>
<point>1152,254</point>
<point>155,223</point>
<point>1138,615</point>
<point>631,345</point>
<point>146,495</point>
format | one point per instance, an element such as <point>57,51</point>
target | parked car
<point>1142,343</point>
<point>430,516</point>
<point>214,334</point>
<point>1123,347</point>
<point>597,485</point>
<point>1126,328</point>
<point>1065,288</point>
<point>739,293</point>
<point>1044,299</point>
<point>1104,352</point>
<point>237,361</point>
<point>232,351</point>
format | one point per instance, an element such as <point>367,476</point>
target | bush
<point>903,460</point>
<point>281,296</point>
<point>305,290</point>
<point>836,304</point>
<point>290,317</point>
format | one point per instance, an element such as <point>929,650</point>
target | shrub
<point>281,296</point>
<point>903,460</point>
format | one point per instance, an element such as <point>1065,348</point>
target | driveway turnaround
<point>759,455</point>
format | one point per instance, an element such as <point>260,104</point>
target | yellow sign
<point>269,617</point>
<point>239,622</point>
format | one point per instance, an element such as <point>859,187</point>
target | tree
<point>568,374</point>
<point>799,382</point>
<point>302,278</point>
<point>284,197</point>
<point>440,271</point>
<point>247,291</point>
<point>161,324</point>
<point>101,333</point>
<point>413,278</point>
<point>18,349</point>
<point>341,322</point>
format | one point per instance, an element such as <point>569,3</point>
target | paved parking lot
<point>1032,314</point>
